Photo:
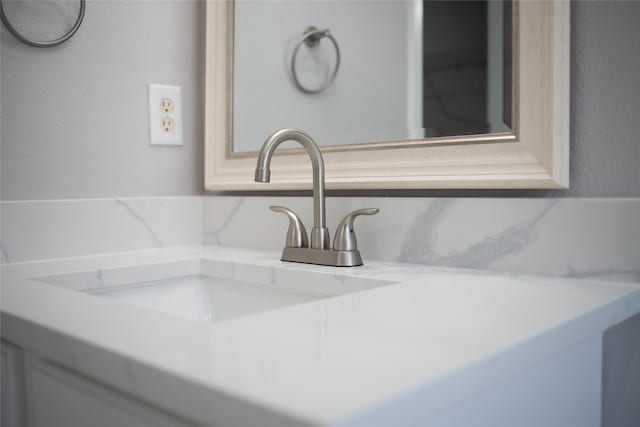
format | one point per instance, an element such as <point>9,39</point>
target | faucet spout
<point>319,232</point>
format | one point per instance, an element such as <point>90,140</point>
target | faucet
<point>319,232</point>
<point>297,248</point>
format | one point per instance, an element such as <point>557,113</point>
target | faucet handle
<point>296,235</point>
<point>345,237</point>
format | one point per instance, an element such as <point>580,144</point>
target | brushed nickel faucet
<point>345,251</point>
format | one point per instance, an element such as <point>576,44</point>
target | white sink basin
<point>206,297</point>
<point>203,289</point>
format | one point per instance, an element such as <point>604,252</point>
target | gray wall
<point>75,117</point>
<point>605,99</point>
<point>59,105</point>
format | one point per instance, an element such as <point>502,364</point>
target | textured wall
<point>59,106</point>
<point>75,117</point>
<point>605,99</point>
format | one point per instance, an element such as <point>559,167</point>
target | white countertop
<point>316,363</point>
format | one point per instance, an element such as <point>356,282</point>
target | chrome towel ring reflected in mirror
<point>311,37</point>
<point>51,43</point>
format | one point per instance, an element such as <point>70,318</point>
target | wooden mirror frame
<point>534,155</point>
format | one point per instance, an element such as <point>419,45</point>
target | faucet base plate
<point>322,257</point>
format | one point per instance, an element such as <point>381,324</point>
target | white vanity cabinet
<point>459,348</point>
<point>38,393</point>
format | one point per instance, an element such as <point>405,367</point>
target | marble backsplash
<point>45,229</point>
<point>594,238</point>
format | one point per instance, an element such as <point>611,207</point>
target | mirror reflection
<point>356,71</point>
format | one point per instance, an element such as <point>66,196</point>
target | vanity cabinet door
<point>59,398</point>
<point>12,413</point>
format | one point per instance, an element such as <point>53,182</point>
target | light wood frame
<point>534,155</point>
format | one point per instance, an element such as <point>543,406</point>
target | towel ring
<point>51,43</point>
<point>311,37</point>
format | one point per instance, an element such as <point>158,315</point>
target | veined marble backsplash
<point>46,229</point>
<point>595,238</point>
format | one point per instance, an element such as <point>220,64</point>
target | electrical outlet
<point>166,105</point>
<point>167,124</point>
<point>165,114</point>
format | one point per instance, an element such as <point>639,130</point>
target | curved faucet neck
<point>263,173</point>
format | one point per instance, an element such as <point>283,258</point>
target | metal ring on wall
<point>51,43</point>
<point>311,37</point>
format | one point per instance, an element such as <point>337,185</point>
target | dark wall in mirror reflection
<point>457,67</point>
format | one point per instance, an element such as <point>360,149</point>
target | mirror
<point>497,118</point>
<point>388,70</point>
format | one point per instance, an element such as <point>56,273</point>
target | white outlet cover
<point>156,133</point>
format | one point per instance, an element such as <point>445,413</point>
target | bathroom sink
<point>204,289</point>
